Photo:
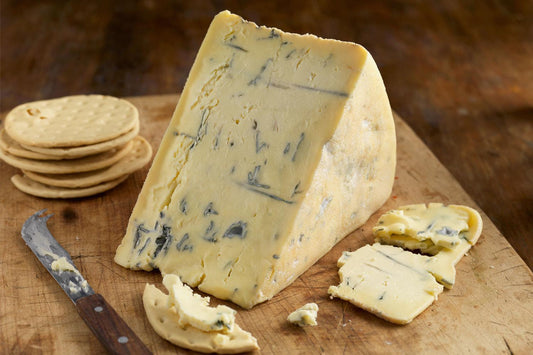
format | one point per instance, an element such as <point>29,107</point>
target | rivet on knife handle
<point>108,327</point>
<point>101,318</point>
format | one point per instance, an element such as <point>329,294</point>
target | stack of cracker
<point>73,146</point>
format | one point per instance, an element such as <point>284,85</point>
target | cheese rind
<point>305,315</point>
<point>386,281</point>
<point>168,324</point>
<point>280,145</point>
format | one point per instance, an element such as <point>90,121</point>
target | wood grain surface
<point>490,309</point>
<point>460,72</point>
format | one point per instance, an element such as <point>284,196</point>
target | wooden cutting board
<point>490,309</point>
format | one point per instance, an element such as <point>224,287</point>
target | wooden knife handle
<point>108,327</point>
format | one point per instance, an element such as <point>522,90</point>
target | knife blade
<point>111,330</point>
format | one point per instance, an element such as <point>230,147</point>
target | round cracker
<point>12,147</point>
<point>166,323</point>
<point>25,184</point>
<point>93,162</point>
<point>71,121</point>
<point>85,150</point>
<point>139,155</point>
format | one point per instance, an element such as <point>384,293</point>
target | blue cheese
<point>185,319</point>
<point>194,309</point>
<point>305,315</point>
<point>62,264</point>
<point>280,145</point>
<point>426,228</point>
<point>446,232</point>
<point>397,284</point>
<point>386,281</point>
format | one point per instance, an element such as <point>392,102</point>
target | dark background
<point>460,73</point>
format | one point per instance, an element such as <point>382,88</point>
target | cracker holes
<point>35,112</point>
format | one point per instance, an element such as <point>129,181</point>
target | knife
<point>99,316</point>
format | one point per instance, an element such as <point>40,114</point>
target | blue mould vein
<point>302,136</point>
<point>258,144</point>
<point>252,178</point>
<point>264,193</point>
<point>258,77</point>
<point>423,273</point>
<point>236,47</point>
<point>182,245</point>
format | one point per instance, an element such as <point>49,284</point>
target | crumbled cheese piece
<point>62,264</point>
<point>428,228</point>
<point>305,315</point>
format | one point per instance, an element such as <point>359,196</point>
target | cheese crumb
<point>305,315</point>
<point>61,264</point>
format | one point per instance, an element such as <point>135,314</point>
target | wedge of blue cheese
<point>386,281</point>
<point>280,145</point>
<point>305,315</point>
<point>186,319</point>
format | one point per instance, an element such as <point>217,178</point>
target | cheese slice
<point>171,324</point>
<point>447,232</point>
<point>435,224</point>
<point>397,284</point>
<point>280,145</point>
<point>305,315</point>
<point>386,281</point>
